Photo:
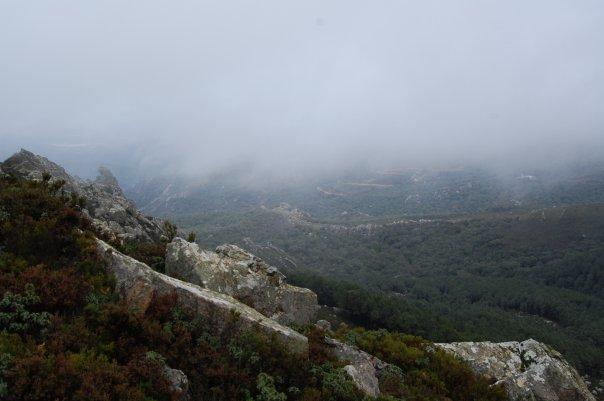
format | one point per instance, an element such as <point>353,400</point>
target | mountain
<point>82,318</point>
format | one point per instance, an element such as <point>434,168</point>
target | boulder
<point>364,369</point>
<point>179,383</point>
<point>110,211</point>
<point>231,270</point>
<point>528,370</point>
<point>137,284</point>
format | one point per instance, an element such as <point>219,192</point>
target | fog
<point>193,87</point>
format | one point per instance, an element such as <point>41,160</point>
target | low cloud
<point>296,87</point>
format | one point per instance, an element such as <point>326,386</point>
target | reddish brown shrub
<point>62,290</point>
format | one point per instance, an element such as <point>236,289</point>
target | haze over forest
<point>301,87</point>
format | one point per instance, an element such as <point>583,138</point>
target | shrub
<point>16,315</point>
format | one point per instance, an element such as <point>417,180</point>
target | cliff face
<point>106,205</point>
<point>529,370</point>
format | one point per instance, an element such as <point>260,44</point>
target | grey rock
<point>110,211</point>
<point>137,284</point>
<point>364,369</point>
<point>323,325</point>
<point>27,165</point>
<point>528,370</point>
<point>179,383</point>
<point>231,270</point>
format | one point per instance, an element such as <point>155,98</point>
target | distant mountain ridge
<point>373,196</point>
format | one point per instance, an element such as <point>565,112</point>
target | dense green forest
<point>64,334</point>
<point>499,275</point>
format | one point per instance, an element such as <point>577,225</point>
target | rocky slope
<point>137,283</point>
<point>233,271</point>
<point>528,370</point>
<point>106,204</point>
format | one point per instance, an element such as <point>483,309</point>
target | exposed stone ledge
<point>231,270</point>
<point>137,283</point>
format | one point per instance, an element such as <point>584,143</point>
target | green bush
<point>16,315</point>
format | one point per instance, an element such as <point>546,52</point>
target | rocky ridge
<point>106,205</point>
<point>137,283</point>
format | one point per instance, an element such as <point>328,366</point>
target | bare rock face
<point>231,270</point>
<point>137,284</point>
<point>111,212</point>
<point>529,370</point>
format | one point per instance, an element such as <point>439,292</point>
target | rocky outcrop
<point>29,166</point>
<point>365,370</point>
<point>231,270</point>
<point>528,370</point>
<point>110,211</point>
<point>137,284</point>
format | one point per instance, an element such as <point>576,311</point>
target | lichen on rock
<point>137,284</point>
<point>528,370</point>
<point>364,369</point>
<point>233,271</point>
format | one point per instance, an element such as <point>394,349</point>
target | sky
<point>193,87</point>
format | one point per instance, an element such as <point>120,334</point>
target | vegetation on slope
<point>497,276</point>
<point>64,334</point>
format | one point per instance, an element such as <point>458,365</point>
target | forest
<point>495,275</point>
